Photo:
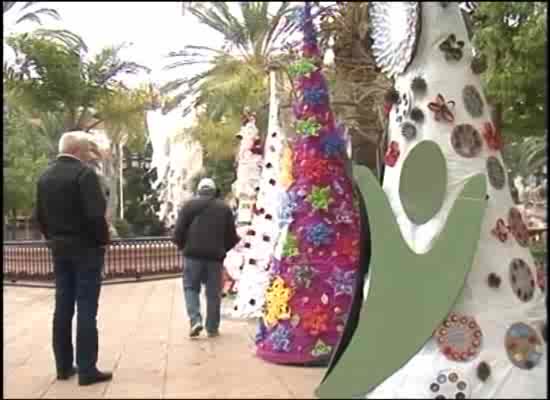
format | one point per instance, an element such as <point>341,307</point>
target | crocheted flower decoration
<point>492,137</point>
<point>315,96</point>
<point>290,248</point>
<point>392,154</point>
<point>321,349</point>
<point>308,127</point>
<point>342,281</point>
<point>347,247</point>
<point>316,321</point>
<point>303,275</point>
<point>276,307</point>
<point>319,234</point>
<point>333,145</point>
<point>320,198</point>
<point>261,331</point>
<point>286,179</point>
<point>303,67</point>
<point>280,339</point>
<point>289,204</point>
<point>316,169</point>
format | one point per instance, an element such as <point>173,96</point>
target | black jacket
<point>205,229</point>
<point>70,207</point>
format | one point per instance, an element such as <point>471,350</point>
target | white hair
<point>74,140</point>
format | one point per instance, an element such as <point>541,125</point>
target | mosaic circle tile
<point>466,141</point>
<point>523,346</point>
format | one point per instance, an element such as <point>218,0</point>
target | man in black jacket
<point>70,211</point>
<point>205,231</point>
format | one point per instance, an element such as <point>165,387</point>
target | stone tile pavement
<point>143,339</point>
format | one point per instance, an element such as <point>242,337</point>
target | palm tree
<point>28,12</point>
<point>534,155</point>
<point>238,70</point>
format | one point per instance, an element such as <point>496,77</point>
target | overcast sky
<point>154,28</point>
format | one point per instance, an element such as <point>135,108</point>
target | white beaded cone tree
<point>259,240</point>
<point>493,342</point>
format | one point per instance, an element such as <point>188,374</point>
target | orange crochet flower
<point>316,321</point>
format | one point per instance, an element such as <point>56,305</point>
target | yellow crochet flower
<point>276,302</point>
<point>286,168</point>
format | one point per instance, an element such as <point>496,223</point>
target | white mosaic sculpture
<point>492,344</point>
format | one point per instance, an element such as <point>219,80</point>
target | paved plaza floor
<point>143,339</point>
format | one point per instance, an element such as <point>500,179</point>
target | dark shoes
<point>66,375</point>
<point>96,377</point>
<point>196,329</point>
<point>213,334</point>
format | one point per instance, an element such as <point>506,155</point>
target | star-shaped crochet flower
<point>280,339</point>
<point>342,281</point>
<point>321,349</point>
<point>308,127</point>
<point>303,275</point>
<point>319,234</point>
<point>303,67</point>
<point>290,248</point>
<point>320,198</point>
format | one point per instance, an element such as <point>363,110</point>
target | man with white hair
<point>70,211</point>
<point>205,231</point>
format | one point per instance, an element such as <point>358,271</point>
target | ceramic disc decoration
<point>518,227</point>
<point>395,31</point>
<point>495,172</point>
<point>522,279</point>
<point>459,337</point>
<point>466,140</point>
<point>523,346</point>
<point>472,101</point>
<point>449,384</point>
<point>408,130</point>
<point>422,198</point>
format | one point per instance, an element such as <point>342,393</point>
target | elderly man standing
<point>70,211</point>
<point>205,231</point>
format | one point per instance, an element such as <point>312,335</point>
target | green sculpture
<point>403,288</point>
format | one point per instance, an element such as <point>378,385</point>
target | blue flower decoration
<point>289,204</point>
<point>315,96</point>
<point>319,234</point>
<point>280,339</point>
<point>261,331</point>
<point>333,145</point>
<point>342,281</point>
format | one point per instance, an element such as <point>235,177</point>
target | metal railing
<point>124,258</point>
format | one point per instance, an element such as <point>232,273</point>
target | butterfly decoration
<point>320,349</point>
<point>500,230</point>
<point>452,48</point>
<point>441,110</point>
<point>492,137</point>
<point>392,154</point>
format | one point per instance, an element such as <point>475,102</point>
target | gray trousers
<point>195,272</point>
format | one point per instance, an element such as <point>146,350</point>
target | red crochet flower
<point>316,321</point>
<point>316,169</point>
<point>492,137</point>
<point>257,147</point>
<point>347,247</point>
<point>392,154</point>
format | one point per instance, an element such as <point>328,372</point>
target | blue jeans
<point>195,272</point>
<point>77,280</point>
